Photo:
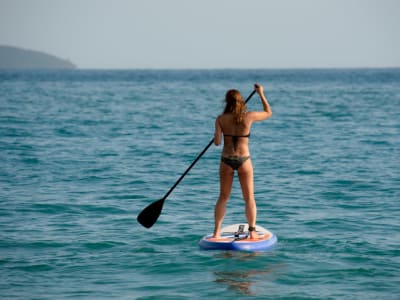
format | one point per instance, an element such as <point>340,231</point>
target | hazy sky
<point>207,33</point>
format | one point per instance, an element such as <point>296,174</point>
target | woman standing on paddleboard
<point>234,125</point>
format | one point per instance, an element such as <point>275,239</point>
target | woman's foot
<point>253,233</point>
<point>254,236</point>
<point>217,234</point>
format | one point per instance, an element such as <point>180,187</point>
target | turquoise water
<point>83,152</point>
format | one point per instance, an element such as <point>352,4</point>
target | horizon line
<point>202,69</point>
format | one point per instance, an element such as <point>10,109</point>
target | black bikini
<point>235,138</point>
<point>235,162</point>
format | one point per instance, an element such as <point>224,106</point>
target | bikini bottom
<point>235,162</point>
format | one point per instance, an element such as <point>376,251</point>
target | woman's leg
<point>245,173</point>
<point>226,179</point>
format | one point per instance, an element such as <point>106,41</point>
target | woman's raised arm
<point>267,112</point>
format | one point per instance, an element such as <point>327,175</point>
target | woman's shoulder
<point>221,119</point>
<point>252,114</point>
<point>224,116</point>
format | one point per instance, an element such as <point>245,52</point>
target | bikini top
<point>236,137</point>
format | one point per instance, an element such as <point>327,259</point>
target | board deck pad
<point>235,237</point>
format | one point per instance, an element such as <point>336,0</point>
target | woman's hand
<point>259,88</point>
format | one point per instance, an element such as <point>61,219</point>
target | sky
<point>181,34</point>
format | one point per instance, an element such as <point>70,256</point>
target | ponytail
<point>235,105</point>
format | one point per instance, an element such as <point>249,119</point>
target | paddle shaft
<point>198,157</point>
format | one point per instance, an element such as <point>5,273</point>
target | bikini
<point>235,162</point>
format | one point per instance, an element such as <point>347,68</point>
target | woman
<point>234,124</point>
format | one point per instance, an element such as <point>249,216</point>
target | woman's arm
<point>267,112</point>
<point>217,133</point>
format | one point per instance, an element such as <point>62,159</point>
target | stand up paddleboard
<point>236,237</point>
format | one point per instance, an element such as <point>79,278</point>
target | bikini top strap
<point>237,136</point>
<point>235,139</point>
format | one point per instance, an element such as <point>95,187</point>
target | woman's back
<point>236,136</point>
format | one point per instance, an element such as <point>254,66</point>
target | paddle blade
<point>150,214</point>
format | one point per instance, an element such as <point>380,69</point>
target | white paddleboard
<point>236,237</point>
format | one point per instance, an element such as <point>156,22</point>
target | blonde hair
<point>235,105</point>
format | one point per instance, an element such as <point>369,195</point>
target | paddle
<point>150,214</point>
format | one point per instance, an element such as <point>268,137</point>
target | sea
<point>83,152</point>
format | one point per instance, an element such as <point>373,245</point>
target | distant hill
<point>17,58</point>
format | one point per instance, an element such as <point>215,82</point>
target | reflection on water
<point>236,280</point>
<point>242,277</point>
